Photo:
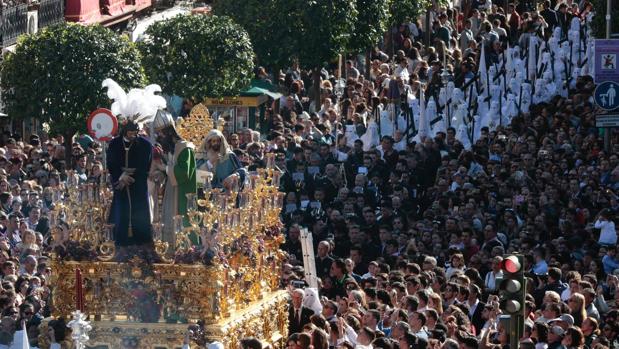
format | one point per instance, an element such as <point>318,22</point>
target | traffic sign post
<point>606,75</point>
<point>607,120</point>
<point>102,125</point>
<point>606,95</point>
<point>606,59</point>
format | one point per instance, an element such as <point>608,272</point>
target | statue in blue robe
<point>128,161</point>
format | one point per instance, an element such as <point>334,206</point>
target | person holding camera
<point>608,233</point>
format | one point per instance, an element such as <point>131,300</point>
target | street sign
<point>606,59</point>
<point>102,125</point>
<point>607,120</point>
<point>606,95</point>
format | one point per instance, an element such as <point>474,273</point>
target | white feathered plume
<point>139,105</point>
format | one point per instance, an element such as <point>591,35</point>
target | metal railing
<point>50,12</point>
<point>14,23</point>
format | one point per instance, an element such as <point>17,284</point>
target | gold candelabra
<point>84,207</point>
<point>239,228</point>
<point>226,254</point>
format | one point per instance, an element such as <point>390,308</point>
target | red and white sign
<point>102,125</point>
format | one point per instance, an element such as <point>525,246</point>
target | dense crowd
<point>409,231</point>
<point>33,173</point>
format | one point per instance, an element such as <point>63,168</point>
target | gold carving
<point>196,125</point>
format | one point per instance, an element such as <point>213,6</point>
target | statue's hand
<point>124,180</point>
<point>229,182</point>
<point>158,176</point>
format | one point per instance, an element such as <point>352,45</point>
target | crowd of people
<point>30,172</point>
<point>409,231</point>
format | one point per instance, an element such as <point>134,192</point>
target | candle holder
<point>107,248</point>
<point>161,247</point>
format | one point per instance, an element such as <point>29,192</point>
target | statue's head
<point>129,129</point>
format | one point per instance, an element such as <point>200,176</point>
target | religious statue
<point>129,160</point>
<point>180,171</point>
<point>216,156</point>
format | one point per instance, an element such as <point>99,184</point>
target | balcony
<point>27,18</point>
<point>14,23</point>
<point>50,12</point>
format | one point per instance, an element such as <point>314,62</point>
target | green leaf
<point>56,74</point>
<point>198,56</point>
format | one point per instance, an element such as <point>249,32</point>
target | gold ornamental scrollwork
<point>196,125</point>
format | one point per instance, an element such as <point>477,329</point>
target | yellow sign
<point>235,101</point>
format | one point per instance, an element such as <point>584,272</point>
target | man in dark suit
<point>323,260</point>
<point>550,16</point>
<point>476,307</point>
<point>564,19</point>
<point>298,315</point>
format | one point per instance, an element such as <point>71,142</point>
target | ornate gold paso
<point>228,281</point>
<point>154,303</point>
<point>266,320</point>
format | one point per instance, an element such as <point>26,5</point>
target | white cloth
<point>20,340</point>
<point>608,234</point>
<point>312,301</point>
<point>566,294</point>
<point>422,334</point>
<point>491,277</point>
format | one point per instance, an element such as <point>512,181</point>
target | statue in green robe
<point>179,156</point>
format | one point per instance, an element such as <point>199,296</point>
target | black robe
<point>133,199</point>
